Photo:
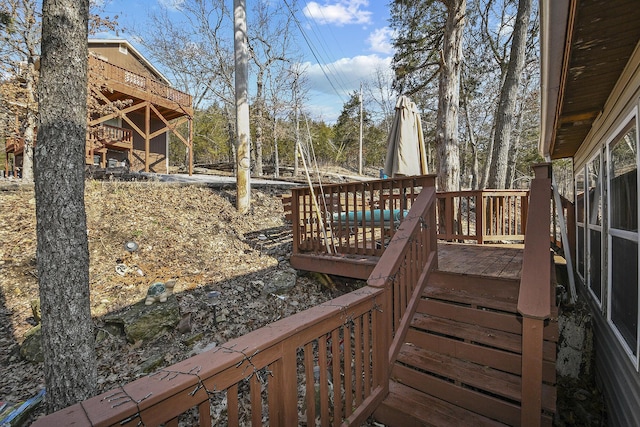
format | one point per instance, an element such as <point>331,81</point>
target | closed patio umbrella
<point>406,154</point>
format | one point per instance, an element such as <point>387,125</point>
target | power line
<point>313,50</point>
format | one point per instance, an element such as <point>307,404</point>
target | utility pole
<point>360,152</point>
<point>243,162</point>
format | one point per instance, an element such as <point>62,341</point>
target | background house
<point>133,111</point>
<point>136,109</point>
<point>590,102</point>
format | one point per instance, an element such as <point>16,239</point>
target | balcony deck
<point>126,85</point>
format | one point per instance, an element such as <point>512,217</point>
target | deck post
<point>480,217</point>
<point>147,131</point>
<point>534,299</point>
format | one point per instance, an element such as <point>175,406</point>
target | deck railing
<point>14,145</point>
<point>482,215</point>
<point>118,74</point>
<point>534,299</point>
<point>327,365</point>
<point>357,218</point>
<point>110,134</point>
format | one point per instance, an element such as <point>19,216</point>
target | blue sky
<point>350,38</point>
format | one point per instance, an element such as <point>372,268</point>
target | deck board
<point>500,261</point>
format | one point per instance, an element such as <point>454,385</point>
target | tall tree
<point>449,98</point>
<point>19,53</point>
<point>62,246</point>
<point>428,47</point>
<point>269,42</point>
<point>505,116</point>
<point>243,180</point>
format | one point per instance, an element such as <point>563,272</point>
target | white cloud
<point>380,40</point>
<point>171,4</point>
<point>345,74</point>
<point>340,12</point>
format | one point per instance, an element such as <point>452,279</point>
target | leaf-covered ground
<point>189,233</point>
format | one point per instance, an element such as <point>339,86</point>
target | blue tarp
<point>357,217</point>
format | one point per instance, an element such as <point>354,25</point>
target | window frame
<point>630,121</point>
<point>588,227</point>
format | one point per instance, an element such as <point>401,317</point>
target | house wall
<point>616,372</point>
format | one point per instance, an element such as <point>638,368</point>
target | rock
<point>35,309</point>
<point>31,348</point>
<point>152,363</point>
<point>576,342</point>
<point>201,348</point>
<point>108,330</point>
<point>144,322</point>
<point>192,339</point>
<point>280,280</point>
<point>184,325</point>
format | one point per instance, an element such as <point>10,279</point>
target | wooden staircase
<point>461,360</point>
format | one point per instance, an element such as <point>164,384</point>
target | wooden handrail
<point>340,348</point>
<point>534,299</point>
<point>405,266</point>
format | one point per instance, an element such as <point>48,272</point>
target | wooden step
<point>465,374</point>
<point>505,361</point>
<point>477,334</point>
<point>407,407</point>
<point>481,316</point>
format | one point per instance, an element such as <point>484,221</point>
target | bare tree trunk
<point>31,120</point>
<point>513,152</point>
<point>508,98</point>
<point>275,149</point>
<point>62,251</point>
<point>259,121</point>
<point>473,184</point>
<point>448,104</point>
<point>243,164</point>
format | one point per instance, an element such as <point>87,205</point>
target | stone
<point>190,340</point>
<point>144,322</point>
<point>152,363</point>
<point>35,309</point>
<point>280,280</point>
<point>31,348</point>
<point>575,344</point>
<point>107,331</point>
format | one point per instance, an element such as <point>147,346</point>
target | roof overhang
<point>585,45</point>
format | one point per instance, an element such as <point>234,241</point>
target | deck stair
<point>460,363</point>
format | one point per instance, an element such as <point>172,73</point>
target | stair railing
<point>534,299</point>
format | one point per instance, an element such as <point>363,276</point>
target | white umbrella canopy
<point>406,154</point>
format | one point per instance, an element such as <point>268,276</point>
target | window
<point>623,236</point>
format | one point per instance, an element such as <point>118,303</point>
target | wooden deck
<point>461,361</point>
<point>500,261</point>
